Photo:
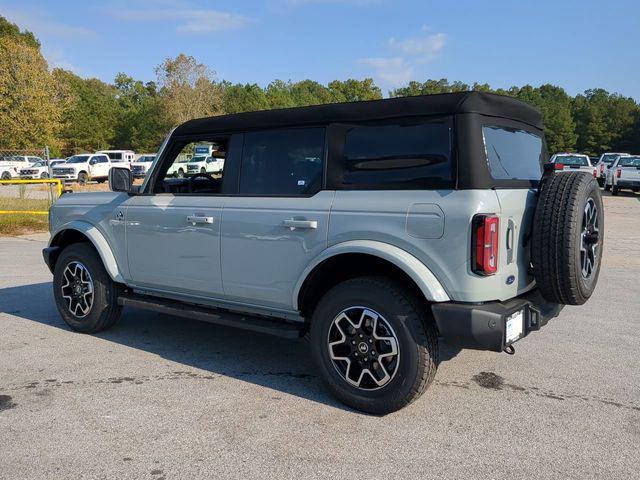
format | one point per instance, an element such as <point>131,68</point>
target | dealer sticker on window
<point>514,329</point>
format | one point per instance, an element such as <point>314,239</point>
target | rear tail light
<point>558,166</point>
<point>602,168</point>
<point>618,173</point>
<point>484,244</point>
<point>595,173</point>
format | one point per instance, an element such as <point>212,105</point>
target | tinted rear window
<point>513,154</point>
<point>397,156</point>
<point>576,160</point>
<point>629,162</point>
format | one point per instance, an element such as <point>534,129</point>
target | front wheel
<point>83,178</point>
<point>85,295</point>
<point>180,173</point>
<point>44,175</point>
<point>373,344</point>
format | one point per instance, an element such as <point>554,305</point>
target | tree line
<point>71,114</point>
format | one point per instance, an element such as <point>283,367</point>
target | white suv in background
<point>84,167</point>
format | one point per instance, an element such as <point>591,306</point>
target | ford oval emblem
<point>510,279</point>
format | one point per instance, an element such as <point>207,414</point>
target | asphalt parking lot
<point>159,397</point>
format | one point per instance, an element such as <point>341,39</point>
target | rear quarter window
<point>396,156</point>
<point>513,154</point>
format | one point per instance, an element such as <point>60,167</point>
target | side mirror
<point>92,161</point>
<point>120,179</point>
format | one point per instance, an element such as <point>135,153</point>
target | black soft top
<point>419,106</point>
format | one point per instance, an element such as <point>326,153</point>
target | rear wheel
<point>607,187</point>
<point>615,190</point>
<point>373,344</point>
<point>85,295</point>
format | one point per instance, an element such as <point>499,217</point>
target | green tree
<point>243,98</point>
<point>309,92</point>
<point>189,89</point>
<point>90,115</point>
<point>30,116</point>
<point>279,94</point>
<point>354,90</point>
<point>11,30</point>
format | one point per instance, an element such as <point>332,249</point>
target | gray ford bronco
<point>372,228</point>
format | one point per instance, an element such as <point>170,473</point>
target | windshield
<point>146,158</point>
<point>78,159</point>
<point>575,160</point>
<point>197,159</point>
<point>629,162</point>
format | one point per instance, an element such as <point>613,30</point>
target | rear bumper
<point>481,326</point>
<point>628,183</point>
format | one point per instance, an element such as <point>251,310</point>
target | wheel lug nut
<point>370,341</point>
<point>353,342</point>
<point>361,335</point>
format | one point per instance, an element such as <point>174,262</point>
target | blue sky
<point>573,44</point>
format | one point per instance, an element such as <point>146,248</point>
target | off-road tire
<point>105,310</point>
<point>415,332</point>
<point>557,238</point>
<point>83,178</point>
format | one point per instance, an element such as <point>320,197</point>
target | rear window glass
<point>397,156</point>
<point>576,160</point>
<point>629,162</point>
<point>513,154</point>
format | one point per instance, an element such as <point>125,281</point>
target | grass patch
<point>21,223</point>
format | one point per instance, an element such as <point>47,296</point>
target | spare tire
<point>567,238</point>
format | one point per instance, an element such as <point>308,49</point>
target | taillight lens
<point>484,244</point>
<point>558,166</point>
<point>602,168</point>
<point>618,173</point>
<point>595,173</point>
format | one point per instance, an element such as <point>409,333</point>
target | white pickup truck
<point>626,174</point>
<point>11,165</point>
<point>84,167</point>
<point>571,162</point>
<point>201,164</point>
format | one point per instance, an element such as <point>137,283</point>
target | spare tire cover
<point>567,237</point>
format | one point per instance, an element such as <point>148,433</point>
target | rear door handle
<point>194,219</point>
<point>293,224</point>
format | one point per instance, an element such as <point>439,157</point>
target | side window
<point>395,156</point>
<point>187,171</point>
<point>282,162</point>
<point>513,154</point>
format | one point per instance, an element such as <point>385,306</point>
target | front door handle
<point>293,223</point>
<point>199,219</point>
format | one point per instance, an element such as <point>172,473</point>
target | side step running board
<point>280,328</point>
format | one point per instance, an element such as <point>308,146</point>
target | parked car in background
<point>35,171</point>
<point>142,164</point>
<point>120,158</point>
<point>7,172</point>
<point>205,164</point>
<point>625,174</point>
<point>570,162</point>
<point>603,165</point>
<point>56,161</point>
<point>84,167</point>
<point>179,168</point>
<point>18,162</point>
